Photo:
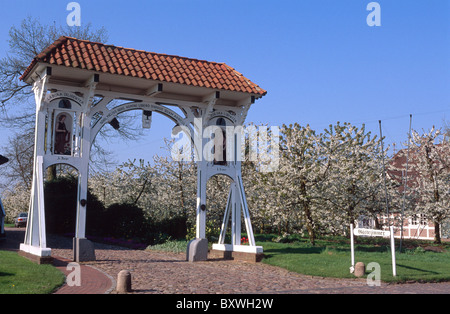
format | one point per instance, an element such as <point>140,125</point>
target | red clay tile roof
<point>82,54</point>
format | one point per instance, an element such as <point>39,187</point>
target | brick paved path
<point>165,273</point>
<point>93,281</point>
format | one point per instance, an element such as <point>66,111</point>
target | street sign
<point>371,232</point>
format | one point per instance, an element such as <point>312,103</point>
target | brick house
<point>416,226</point>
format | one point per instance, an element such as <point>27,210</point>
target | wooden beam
<point>211,97</point>
<point>94,79</point>
<point>40,85</point>
<point>43,72</point>
<point>154,90</point>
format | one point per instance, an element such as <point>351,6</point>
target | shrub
<point>174,227</point>
<point>212,231</point>
<point>120,220</point>
<point>124,221</point>
<point>61,205</point>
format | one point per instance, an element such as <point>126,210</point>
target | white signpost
<point>372,233</point>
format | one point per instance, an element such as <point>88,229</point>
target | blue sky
<point>318,59</point>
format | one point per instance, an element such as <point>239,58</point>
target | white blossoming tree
<point>355,184</point>
<point>303,168</point>
<point>430,182</point>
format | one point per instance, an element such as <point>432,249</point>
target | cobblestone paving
<point>166,273</point>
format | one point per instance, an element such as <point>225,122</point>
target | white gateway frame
<point>57,97</point>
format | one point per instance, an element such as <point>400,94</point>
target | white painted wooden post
<point>352,249</point>
<point>83,175</point>
<point>80,231</point>
<point>48,148</point>
<point>201,201</point>
<point>394,266</point>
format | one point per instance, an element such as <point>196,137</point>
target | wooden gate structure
<point>75,83</point>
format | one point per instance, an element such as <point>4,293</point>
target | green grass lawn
<point>332,258</point>
<point>174,246</point>
<point>21,276</point>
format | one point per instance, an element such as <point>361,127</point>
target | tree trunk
<point>308,216</point>
<point>142,191</point>
<point>51,173</point>
<point>350,215</point>
<point>437,233</point>
<point>310,225</point>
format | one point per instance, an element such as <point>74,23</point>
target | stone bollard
<point>124,282</point>
<point>360,269</point>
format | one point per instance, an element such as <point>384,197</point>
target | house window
<point>419,219</point>
<point>423,220</point>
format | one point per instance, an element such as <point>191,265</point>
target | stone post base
<point>36,254</point>
<point>197,250</point>
<point>83,250</point>
<point>238,256</point>
<point>237,252</point>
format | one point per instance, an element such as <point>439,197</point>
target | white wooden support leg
<point>236,215</point>
<point>80,231</point>
<point>226,218</point>
<point>40,203</point>
<point>83,175</point>
<point>35,237</point>
<point>35,241</point>
<point>201,203</point>
<point>248,224</point>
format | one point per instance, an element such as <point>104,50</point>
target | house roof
<point>397,169</point>
<point>98,57</point>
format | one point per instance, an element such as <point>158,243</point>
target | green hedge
<point>126,221</point>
